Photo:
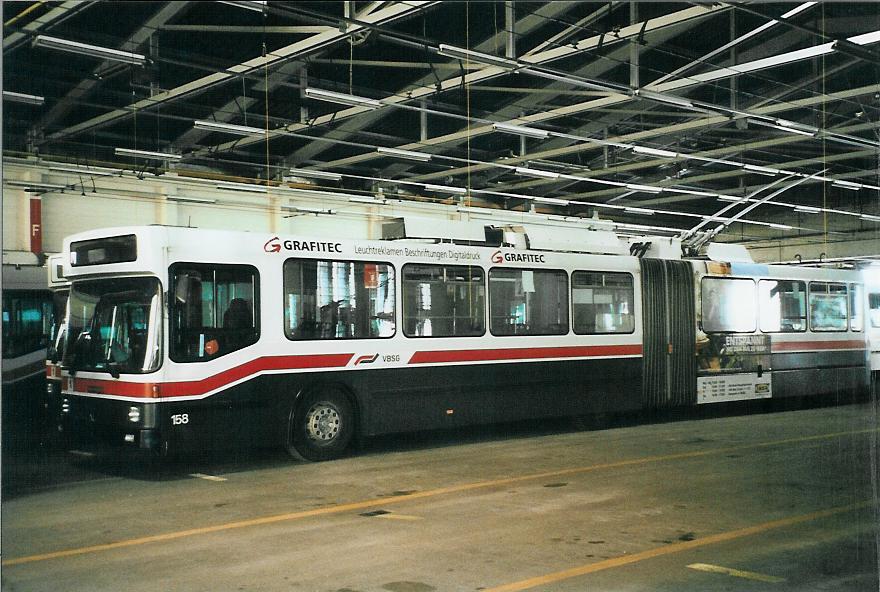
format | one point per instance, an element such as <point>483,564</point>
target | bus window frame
<point>483,284</point>
<point>755,302</point>
<point>806,318</point>
<point>632,314</point>
<point>172,308</point>
<point>845,328</point>
<point>566,291</point>
<point>337,339</point>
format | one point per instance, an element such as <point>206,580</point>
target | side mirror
<point>79,347</point>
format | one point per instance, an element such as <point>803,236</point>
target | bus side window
<point>528,301</point>
<point>27,317</point>
<point>214,310</point>
<point>828,304</point>
<point>728,305</point>
<point>602,302</point>
<point>443,300</point>
<point>338,300</point>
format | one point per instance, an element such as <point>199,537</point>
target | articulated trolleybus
<point>182,338</point>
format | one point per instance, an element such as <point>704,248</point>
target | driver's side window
<point>214,310</point>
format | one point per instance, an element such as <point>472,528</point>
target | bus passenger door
<point>668,319</point>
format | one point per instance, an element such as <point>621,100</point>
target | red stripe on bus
<point>202,386</point>
<point>818,345</point>
<point>97,386</point>
<point>524,353</point>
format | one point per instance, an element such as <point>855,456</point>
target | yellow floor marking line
<point>400,517</point>
<point>207,477</point>
<point>714,539</point>
<point>373,503</point>
<point>737,573</point>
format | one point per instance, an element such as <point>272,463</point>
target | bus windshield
<point>115,325</point>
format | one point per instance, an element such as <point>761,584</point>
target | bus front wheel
<point>320,426</point>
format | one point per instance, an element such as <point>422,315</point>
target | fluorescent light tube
<point>780,226</point>
<point>147,154</point>
<point>865,38</point>
<point>692,192</point>
<point>528,172</point>
<point>654,152</point>
<point>807,209</point>
<point>95,51</point>
<point>639,211</point>
<point>38,187</point>
<point>851,140</point>
<point>459,53</point>
<point>551,200</point>
<point>445,189</point>
<point>784,128</point>
<point>180,198</point>
<point>582,82</point>
<point>732,198</point>
<point>846,185</point>
<point>798,9</point>
<point>16,97</point>
<point>34,187</point>
<point>869,217</point>
<point>342,98</point>
<point>795,125</point>
<point>520,130</point>
<point>660,98</point>
<point>242,187</point>
<point>792,130</point>
<point>254,5</point>
<point>366,200</point>
<point>645,188</point>
<point>86,172</point>
<point>219,126</point>
<point>304,210</point>
<point>407,154</point>
<point>761,170</point>
<point>327,175</point>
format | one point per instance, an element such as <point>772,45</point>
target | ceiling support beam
<point>87,85</point>
<point>526,25</point>
<point>677,129</point>
<point>299,49</point>
<point>704,60</point>
<point>56,16</point>
<point>634,48</point>
<point>560,37</point>
<point>234,29</point>
<point>489,72</point>
<point>510,25</point>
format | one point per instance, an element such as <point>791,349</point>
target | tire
<point>321,426</point>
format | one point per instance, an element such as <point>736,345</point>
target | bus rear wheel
<point>321,426</point>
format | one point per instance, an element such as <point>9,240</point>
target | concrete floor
<point>779,501</point>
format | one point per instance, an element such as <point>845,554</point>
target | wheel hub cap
<point>323,422</point>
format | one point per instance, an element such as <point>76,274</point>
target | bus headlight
<point>134,414</point>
